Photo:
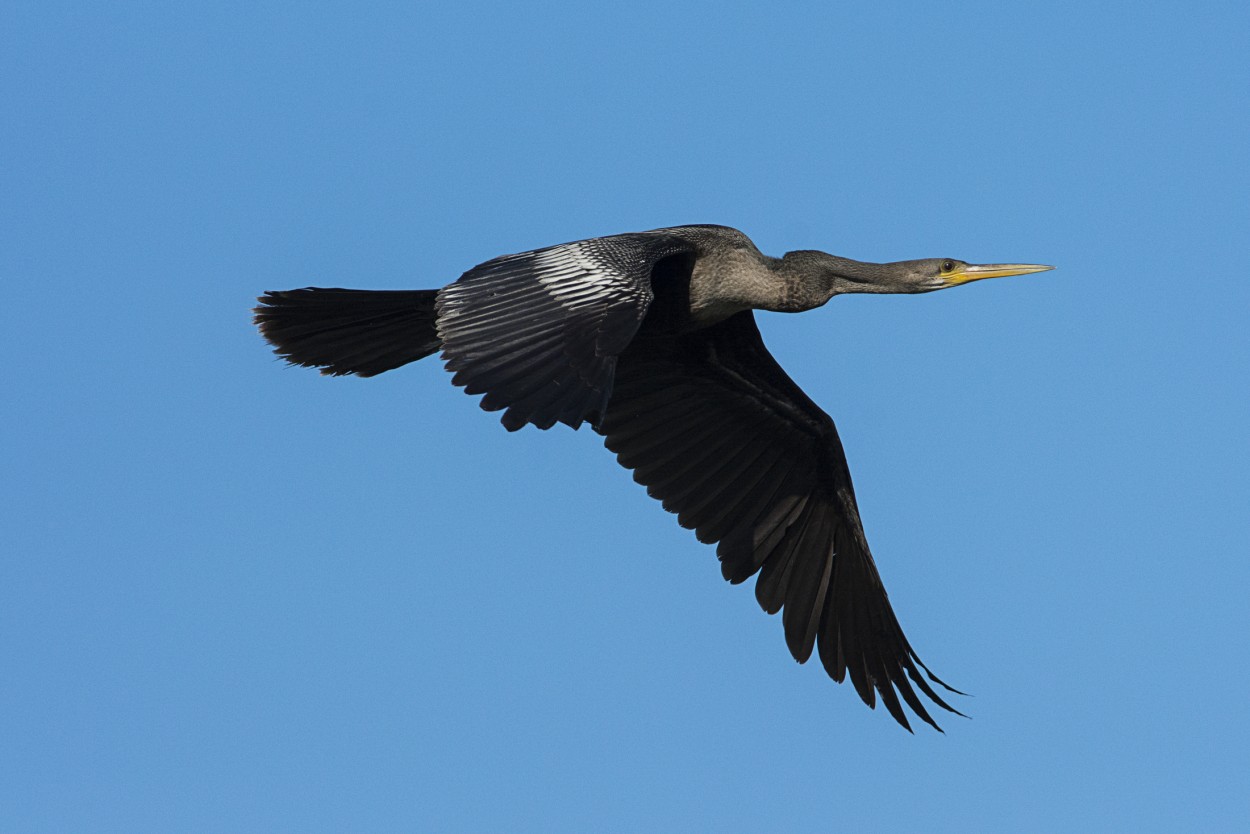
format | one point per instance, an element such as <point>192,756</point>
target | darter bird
<point>651,338</point>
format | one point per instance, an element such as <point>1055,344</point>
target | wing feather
<point>538,332</point>
<point>716,430</point>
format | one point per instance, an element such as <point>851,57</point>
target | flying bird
<point>650,338</point>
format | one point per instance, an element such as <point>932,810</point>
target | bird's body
<point>650,337</point>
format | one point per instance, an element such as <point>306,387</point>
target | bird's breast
<point>731,282</point>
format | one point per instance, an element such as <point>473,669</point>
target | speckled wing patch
<point>538,333</point>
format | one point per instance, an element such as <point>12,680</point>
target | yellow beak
<point>975,272</point>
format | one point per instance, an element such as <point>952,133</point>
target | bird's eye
<point>947,266</point>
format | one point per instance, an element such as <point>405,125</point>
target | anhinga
<point>650,338</point>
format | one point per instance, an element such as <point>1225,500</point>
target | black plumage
<point>650,337</point>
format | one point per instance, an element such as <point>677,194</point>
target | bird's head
<point>819,276</point>
<point>932,274</point>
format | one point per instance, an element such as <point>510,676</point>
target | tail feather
<point>362,332</point>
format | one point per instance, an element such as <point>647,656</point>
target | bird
<point>650,338</point>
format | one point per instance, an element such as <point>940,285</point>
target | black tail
<point>361,332</point>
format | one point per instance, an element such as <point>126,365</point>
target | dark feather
<point>539,332</point>
<point>717,431</point>
<point>363,332</point>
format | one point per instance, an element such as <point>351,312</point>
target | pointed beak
<point>976,272</point>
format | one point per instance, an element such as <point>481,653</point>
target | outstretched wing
<point>538,333</point>
<point>714,428</point>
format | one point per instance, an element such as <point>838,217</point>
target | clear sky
<point>237,596</point>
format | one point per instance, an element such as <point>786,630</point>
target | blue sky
<point>238,596</point>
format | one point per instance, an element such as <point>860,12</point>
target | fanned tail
<point>363,332</point>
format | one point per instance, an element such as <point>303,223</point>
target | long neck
<point>812,278</point>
